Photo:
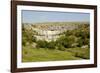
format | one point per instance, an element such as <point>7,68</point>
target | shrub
<point>42,44</point>
<point>67,41</point>
<point>84,54</point>
<point>51,45</point>
<point>60,47</point>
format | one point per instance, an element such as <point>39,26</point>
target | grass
<point>79,52</point>
<point>43,54</point>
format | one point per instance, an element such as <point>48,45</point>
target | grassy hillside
<point>41,54</point>
<point>71,45</point>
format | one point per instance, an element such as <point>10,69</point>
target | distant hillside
<point>61,23</point>
<point>54,25</point>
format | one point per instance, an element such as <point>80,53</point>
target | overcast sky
<point>30,16</point>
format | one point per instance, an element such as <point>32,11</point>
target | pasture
<point>43,54</point>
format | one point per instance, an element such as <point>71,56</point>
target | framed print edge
<point>14,35</point>
<point>95,36</point>
<point>13,38</point>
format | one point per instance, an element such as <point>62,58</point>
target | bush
<point>67,41</point>
<point>45,44</point>
<point>33,39</point>
<point>42,44</point>
<point>60,47</point>
<point>84,54</point>
<point>51,45</point>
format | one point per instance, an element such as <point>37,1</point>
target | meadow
<point>44,54</point>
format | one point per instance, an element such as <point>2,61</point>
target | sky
<point>31,16</point>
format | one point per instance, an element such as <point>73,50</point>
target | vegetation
<point>41,54</point>
<point>28,36</point>
<point>71,45</point>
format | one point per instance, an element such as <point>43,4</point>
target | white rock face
<point>50,32</point>
<point>47,35</point>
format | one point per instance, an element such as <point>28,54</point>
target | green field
<point>44,54</point>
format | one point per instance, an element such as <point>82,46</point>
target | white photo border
<point>52,63</point>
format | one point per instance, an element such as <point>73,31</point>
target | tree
<point>42,44</point>
<point>27,35</point>
<point>51,45</point>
